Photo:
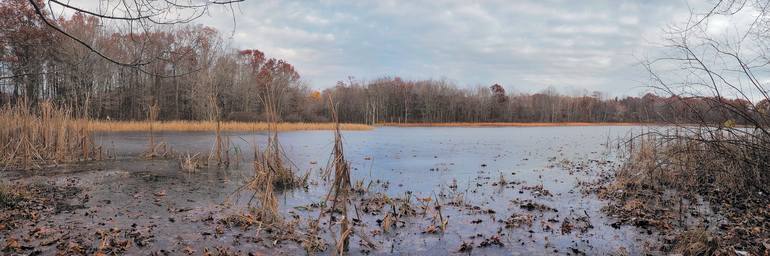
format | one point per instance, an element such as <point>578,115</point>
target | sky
<point>525,45</point>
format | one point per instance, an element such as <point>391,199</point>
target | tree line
<point>397,100</point>
<point>189,72</point>
<point>192,74</point>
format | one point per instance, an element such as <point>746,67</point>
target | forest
<point>142,131</point>
<point>192,73</point>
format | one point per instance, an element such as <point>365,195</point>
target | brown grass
<point>155,150</point>
<point>695,242</point>
<point>666,173</point>
<point>509,124</point>
<point>33,138</point>
<point>339,193</point>
<point>201,126</point>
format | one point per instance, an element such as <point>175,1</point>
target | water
<point>419,162</point>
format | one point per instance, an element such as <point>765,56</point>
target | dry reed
<point>689,159</point>
<point>221,150</point>
<point>675,168</point>
<point>339,193</point>
<point>696,242</point>
<point>271,171</point>
<point>313,242</point>
<point>438,222</point>
<point>190,162</point>
<point>47,135</point>
<point>155,150</point>
<point>271,174</point>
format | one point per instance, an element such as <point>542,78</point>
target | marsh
<point>486,179</point>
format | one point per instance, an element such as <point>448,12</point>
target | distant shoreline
<point>511,124</point>
<point>203,126</point>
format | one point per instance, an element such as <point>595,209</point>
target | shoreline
<point>512,124</point>
<point>209,126</point>
<point>233,126</point>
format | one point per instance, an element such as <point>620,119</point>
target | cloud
<point>526,45</point>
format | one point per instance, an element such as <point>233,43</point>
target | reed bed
<point>273,172</point>
<point>667,172</point>
<point>33,138</point>
<point>201,126</point>
<point>155,149</point>
<point>703,158</point>
<point>339,193</point>
<point>509,124</point>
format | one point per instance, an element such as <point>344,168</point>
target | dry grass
<point>667,172</point>
<point>271,174</point>
<point>191,162</point>
<point>201,126</point>
<point>154,149</point>
<point>695,242</point>
<point>339,193</point>
<point>692,159</point>
<point>43,136</point>
<point>313,242</point>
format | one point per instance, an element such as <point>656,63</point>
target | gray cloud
<point>526,45</point>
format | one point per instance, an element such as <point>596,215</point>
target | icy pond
<point>162,209</point>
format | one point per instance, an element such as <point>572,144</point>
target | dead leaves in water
<point>530,205</point>
<point>494,240</point>
<point>538,191</point>
<point>12,245</point>
<point>580,223</point>
<point>517,220</point>
<point>466,247</point>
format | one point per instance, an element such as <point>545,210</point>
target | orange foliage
<point>315,95</point>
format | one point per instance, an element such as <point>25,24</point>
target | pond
<point>538,209</point>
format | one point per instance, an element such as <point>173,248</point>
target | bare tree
<point>136,15</point>
<point>717,78</point>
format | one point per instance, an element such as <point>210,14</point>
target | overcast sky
<point>525,45</point>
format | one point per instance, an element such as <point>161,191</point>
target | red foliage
<point>22,30</point>
<point>266,69</point>
<point>254,59</point>
<point>499,93</point>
